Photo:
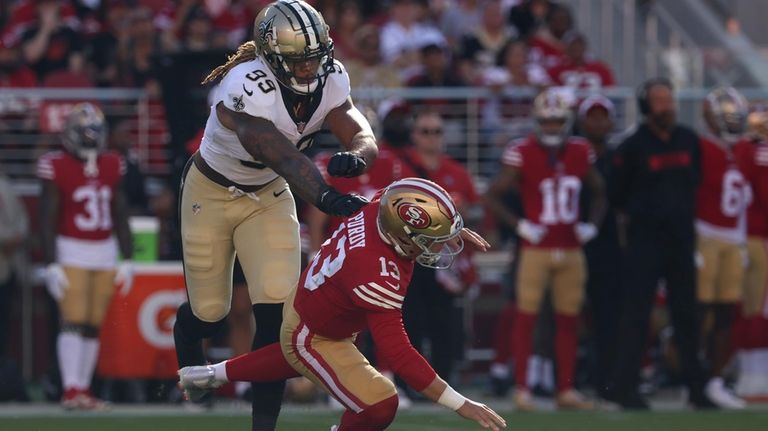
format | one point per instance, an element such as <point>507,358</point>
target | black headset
<point>642,92</point>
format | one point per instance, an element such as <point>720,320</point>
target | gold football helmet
<point>85,130</point>
<point>554,118</point>
<point>290,34</point>
<point>725,111</point>
<point>419,219</point>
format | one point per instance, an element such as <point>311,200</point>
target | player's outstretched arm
<point>354,132</point>
<point>266,144</point>
<point>439,392</point>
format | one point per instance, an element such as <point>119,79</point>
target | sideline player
<point>548,168</point>
<point>82,205</point>
<point>721,227</point>
<point>275,93</point>
<point>359,279</point>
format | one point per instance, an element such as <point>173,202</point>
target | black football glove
<point>346,164</point>
<point>334,203</point>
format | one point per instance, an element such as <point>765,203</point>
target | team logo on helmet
<point>265,30</point>
<point>414,216</point>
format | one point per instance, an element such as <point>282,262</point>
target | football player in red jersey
<point>721,204</point>
<point>752,156</point>
<point>358,280</point>
<point>82,206</point>
<point>548,169</point>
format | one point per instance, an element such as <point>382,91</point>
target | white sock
<point>548,374</point>
<point>220,371</point>
<point>534,374</point>
<point>88,361</point>
<point>69,346</point>
<point>500,371</point>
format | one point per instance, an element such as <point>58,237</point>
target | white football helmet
<point>419,219</point>
<point>553,118</point>
<point>725,111</point>
<point>85,131</point>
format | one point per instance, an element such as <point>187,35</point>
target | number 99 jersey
<point>84,202</point>
<point>550,185</point>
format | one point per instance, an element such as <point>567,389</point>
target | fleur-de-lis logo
<point>238,102</point>
<point>265,31</point>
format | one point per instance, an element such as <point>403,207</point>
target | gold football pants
<point>215,224</point>
<point>563,269</point>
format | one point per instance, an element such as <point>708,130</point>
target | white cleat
<point>196,381</point>
<point>722,396</point>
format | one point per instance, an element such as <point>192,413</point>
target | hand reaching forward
<point>481,414</point>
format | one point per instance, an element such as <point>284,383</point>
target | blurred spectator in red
<point>547,47</point>
<point>456,19</point>
<point>24,15</point>
<point>430,310</point>
<point>578,70</point>
<point>51,41</point>
<point>404,34</point>
<point>367,70</point>
<point>348,20</point>
<point>529,15</point>
<point>140,43</point>
<point>479,49</point>
<point>13,72</point>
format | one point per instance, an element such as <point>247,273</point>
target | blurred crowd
<point>398,43</point>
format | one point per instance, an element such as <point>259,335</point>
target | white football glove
<point>56,280</point>
<point>124,276</point>
<point>533,232</point>
<point>585,232</point>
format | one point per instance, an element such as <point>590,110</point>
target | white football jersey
<point>251,88</point>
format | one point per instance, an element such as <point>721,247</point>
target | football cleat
<point>571,399</point>
<point>196,381</point>
<point>722,396</point>
<point>523,400</point>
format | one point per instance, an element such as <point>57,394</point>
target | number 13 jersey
<point>252,89</point>
<point>84,230</point>
<point>550,185</point>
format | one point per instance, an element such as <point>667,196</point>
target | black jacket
<point>654,181</point>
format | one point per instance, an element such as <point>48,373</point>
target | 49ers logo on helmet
<point>414,216</point>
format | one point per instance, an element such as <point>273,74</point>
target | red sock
<point>566,340</point>
<point>502,340</point>
<point>373,418</point>
<point>522,334</point>
<point>264,365</point>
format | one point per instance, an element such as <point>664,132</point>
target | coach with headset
<point>655,173</point>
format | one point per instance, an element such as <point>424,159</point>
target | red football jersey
<point>85,202</point>
<point>358,281</point>
<point>591,76</point>
<point>550,184</point>
<point>752,159</point>
<point>723,194</point>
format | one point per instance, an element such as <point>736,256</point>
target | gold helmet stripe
<point>296,15</point>
<point>311,22</point>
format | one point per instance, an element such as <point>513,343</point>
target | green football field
<point>406,421</point>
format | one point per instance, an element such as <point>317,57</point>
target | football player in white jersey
<point>275,93</point>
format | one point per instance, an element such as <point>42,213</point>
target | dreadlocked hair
<point>245,52</point>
